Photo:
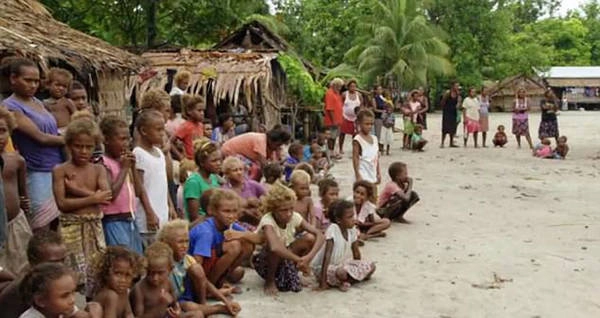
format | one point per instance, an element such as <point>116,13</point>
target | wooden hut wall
<point>113,89</point>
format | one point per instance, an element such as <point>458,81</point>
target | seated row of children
<point>544,149</point>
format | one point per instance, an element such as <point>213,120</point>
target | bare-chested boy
<point>79,188</point>
<point>16,201</point>
<point>300,183</point>
<point>79,97</point>
<point>58,84</point>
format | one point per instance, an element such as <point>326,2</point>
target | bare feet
<point>270,289</point>
<point>453,146</point>
<point>345,286</point>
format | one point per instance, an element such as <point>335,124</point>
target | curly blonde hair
<point>185,167</point>
<point>220,195</point>
<point>82,126</point>
<point>103,261</point>
<point>155,99</point>
<point>231,162</point>
<point>55,72</point>
<point>182,76</point>
<point>159,250</point>
<point>82,114</point>
<point>276,195</point>
<point>166,232</point>
<point>300,176</point>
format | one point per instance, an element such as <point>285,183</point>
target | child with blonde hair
<point>249,190</point>
<point>300,183</point>
<point>58,83</point>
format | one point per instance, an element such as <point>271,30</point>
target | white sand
<point>483,211</point>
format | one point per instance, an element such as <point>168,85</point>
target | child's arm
<point>70,204</point>
<point>356,250</point>
<point>151,219</point>
<point>378,172</point>
<point>250,237</point>
<point>276,246</point>
<point>319,239</point>
<point>27,127</point>
<point>325,265</point>
<point>356,159</point>
<point>127,164</point>
<point>22,184</point>
<point>310,213</point>
<point>102,179</point>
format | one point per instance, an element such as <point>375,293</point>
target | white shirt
<point>349,105</point>
<point>176,91</point>
<point>34,313</point>
<point>342,248</point>
<point>471,106</point>
<point>367,166</point>
<point>155,184</point>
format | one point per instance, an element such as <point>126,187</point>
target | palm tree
<point>398,44</point>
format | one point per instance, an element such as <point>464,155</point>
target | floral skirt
<point>548,129</point>
<point>358,270</point>
<point>471,126</point>
<point>286,274</point>
<point>520,127</point>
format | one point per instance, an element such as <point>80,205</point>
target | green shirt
<point>194,186</point>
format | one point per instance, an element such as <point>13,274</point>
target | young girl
<point>338,263</point>
<point>329,191</point>
<point>520,120</point>
<point>152,211</point>
<point>247,189</point>
<point>191,286</point>
<point>80,187</point>
<point>318,162</point>
<point>284,254</point>
<point>410,111</point>
<point>365,150</point>
<point>50,290</point>
<point>389,121</point>
<point>417,142</point>
<point>300,184</point>
<point>543,150</point>
<point>369,223</point>
<point>225,130</point>
<point>397,195</point>
<point>470,109</point>
<point>115,270</point>
<point>192,128</point>
<point>500,138</point>
<point>208,161</point>
<point>118,221</point>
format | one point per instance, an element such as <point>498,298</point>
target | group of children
<point>133,243</point>
<point>544,149</point>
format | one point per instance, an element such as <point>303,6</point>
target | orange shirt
<point>333,102</point>
<point>250,145</point>
<point>187,133</point>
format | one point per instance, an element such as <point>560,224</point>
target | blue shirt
<point>206,240</point>
<point>288,170</point>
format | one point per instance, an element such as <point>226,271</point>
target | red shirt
<point>333,103</point>
<point>187,133</point>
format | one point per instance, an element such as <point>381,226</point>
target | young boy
<point>417,142</point>
<point>221,258</point>
<point>58,83</point>
<point>272,173</point>
<point>562,149</point>
<point>192,128</point>
<point>398,195</point>
<point>16,201</point>
<point>300,184</point>
<point>78,96</point>
<point>295,153</point>
<point>208,128</point>
<point>80,187</point>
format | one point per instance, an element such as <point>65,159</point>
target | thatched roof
<point>509,86</point>
<point>253,36</point>
<point>28,29</point>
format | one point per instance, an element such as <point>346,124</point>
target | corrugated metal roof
<point>572,72</point>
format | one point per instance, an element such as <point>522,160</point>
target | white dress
<point>369,158</point>
<point>155,183</point>
<point>350,105</point>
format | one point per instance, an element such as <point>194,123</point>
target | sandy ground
<point>532,222</point>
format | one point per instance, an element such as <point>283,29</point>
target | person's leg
<point>528,137</point>
<point>205,310</point>
<point>475,139</point>
<point>273,262</point>
<point>518,141</point>
<point>199,282</point>
<point>377,229</point>
<point>443,140</point>
<point>303,245</point>
<point>452,144</point>
<point>341,142</point>
<point>224,266</point>
<point>465,139</point>
<point>483,139</point>
<point>237,272</point>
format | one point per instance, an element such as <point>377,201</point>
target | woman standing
<point>470,108</point>
<point>520,118</point>
<point>37,139</point>
<point>449,104</point>
<point>484,111</point>
<point>352,101</point>
<point>380,108</point>
<point>549,124</point>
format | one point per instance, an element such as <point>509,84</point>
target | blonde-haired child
<point>58,82</point>
<point>182,82</point>
<point>300,183</point>
<point>246,188</point>
<point>284,254</point>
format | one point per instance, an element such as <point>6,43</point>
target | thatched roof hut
<point>28,29</point>
<point>503,93</point>
<point>254,80</point>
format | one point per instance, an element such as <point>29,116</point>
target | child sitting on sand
<point>397,195</point>
<point>300,184</point>
<point>562,149</point>
<point>284,254</point>
<point>369,223</point>
<point>417,142</point>
<point>543,150</point>
<point>338,263</point>
<point>500,137</point>
<point>329,191</point>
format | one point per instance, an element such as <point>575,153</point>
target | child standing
<point>208,128</point>
<point>118,222</point>
<point>338,262</point>
<point>369,223</point>
<point>80,187</point>
<point>192,128</point>
<point>295,153</point>
<point>152,211</point>
<point>397,195</point>
<point>329,191</point>
<point>417,142</point>
<point>283,254</point>
<point>115,270</point>
<point>16,200</point>
<point>225,130</point>
<point>79,97</point>
<point>58,83</point>
<point>389,121</point>
<point>365,150</point>
<point>500,138</point>
<point>300,184</point>
<point>208,160</point>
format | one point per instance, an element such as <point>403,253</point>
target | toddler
<point>225,130</point>
<point>562,149</point>
<point>417,142</point>
<point>300,184</point>
<point>543,150</point>
<point>500,138</point>
<point>58,83</point>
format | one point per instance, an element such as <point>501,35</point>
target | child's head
<point>151,126</point>
<point>398,172</point>
<point>208,128</point>
<point>81,138</point>
<point>78,95</point>
<point>225,207</point>
<point>562,140</point>
<point>7,124</point>
<point>186,167</point>
<point>296,150</point>
<point>82,114</point>
<point>58,82</point>
<point>233,169</point>
<point>324,136</point>
<point>50,288</point>
<point>158,100</point>
<point>46,247</point>
<point>546,142</point>
<point>277,137</point>
<point>207,156</point>
<point>176,235</point>
<point>365,120</point>
<point>159,259</point>
<point>193,108</point>
<point>182,79</point>
<point>306,167</point>
<point>316,151</point>
<point>329,191</point>
<point>300,183</point>
<point>363,191</point>
<point>501,128</point>
<point>116,135</point>
<point>279,201</point>
<point>115,268</point>
<point>472,92</point>
<point>418,129</point>
<point>341,212</point>
<point>226,121</point>
<point>272,172</point>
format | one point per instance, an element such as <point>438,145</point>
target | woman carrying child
<point>338,263</point>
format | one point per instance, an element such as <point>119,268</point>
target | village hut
<point>27,29</point>
<point>503,93</point>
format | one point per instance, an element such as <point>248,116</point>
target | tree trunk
<point>151,23</point>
